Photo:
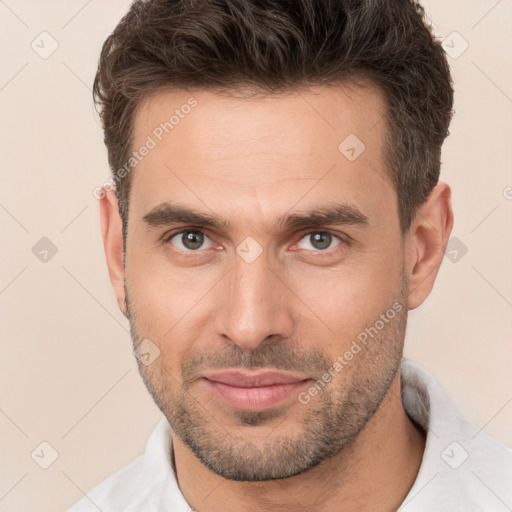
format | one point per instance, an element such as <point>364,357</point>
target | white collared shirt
<point>463,468</point>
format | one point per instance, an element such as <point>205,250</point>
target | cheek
<point>168,303</point>
<point>349,300</point>
<point>164,290</point>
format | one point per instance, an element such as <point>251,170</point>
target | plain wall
<point>67,373</point>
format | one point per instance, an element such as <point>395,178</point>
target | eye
<point>318,240</point>
<point>189,240</point>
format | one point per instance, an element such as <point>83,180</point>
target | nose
<point>256,304</point>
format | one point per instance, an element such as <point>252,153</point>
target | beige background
<point>67,374</point>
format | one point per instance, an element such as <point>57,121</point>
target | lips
<point>254,391</point>
<point>247,380</point>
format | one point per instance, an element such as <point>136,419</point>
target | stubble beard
<point>326,426</point>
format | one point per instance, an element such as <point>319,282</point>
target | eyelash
<point>191,254</point>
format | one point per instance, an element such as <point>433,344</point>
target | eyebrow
<point>166,214</point>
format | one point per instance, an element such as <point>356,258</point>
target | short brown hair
<point>275,46</point>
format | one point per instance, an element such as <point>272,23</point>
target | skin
<point>295,307</point>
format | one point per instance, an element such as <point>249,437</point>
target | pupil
<point>192,239</point>
<point>321,240</point>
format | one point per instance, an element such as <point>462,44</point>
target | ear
<point>426,242</point>
<point>112,233</point>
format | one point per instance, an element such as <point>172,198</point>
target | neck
<point>386,454</point>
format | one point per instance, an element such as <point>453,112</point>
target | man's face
<point>259,291</point>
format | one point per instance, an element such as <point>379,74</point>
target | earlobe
<point>111,232</point>
<point>426,243</point>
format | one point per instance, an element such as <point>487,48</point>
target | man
<point>274,213</point>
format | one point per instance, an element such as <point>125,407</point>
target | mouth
<point>254,391</point>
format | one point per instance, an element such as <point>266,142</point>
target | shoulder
<point>462,467</point>
<point>147,478</point>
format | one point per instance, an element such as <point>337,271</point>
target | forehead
<point>255,120</point>
<point>256,153</point>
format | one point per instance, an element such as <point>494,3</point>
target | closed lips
<point>246,380</point>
